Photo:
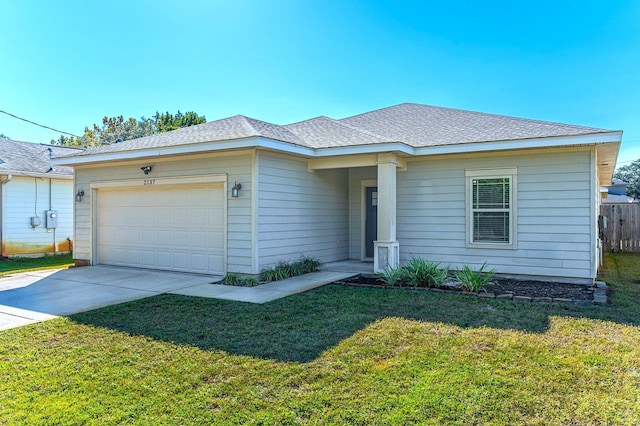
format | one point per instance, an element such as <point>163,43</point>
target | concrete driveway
<point>37,296</point>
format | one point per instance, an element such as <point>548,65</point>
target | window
<point>490,207</point>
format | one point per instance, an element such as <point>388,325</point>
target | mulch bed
<point>503,288</point>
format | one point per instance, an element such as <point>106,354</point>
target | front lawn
<point>335,355</point>
<point>24,264</point>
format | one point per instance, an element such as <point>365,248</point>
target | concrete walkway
<point>32,297</point>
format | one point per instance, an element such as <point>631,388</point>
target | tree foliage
<point>117,128</point>
<point>630,174</point>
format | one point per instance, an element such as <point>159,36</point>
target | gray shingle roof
<point>24,158</point>
<point>424,125</point>
<point>236,127</point>
<point>322,132</point>
<point>415,125</point>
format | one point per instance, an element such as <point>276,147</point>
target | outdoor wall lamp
<point>146,169</point>
<point>79,195</point>
<point>236,189</point>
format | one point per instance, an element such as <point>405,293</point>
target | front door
<point>371,219</point>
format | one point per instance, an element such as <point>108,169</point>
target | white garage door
<point>176,228</point>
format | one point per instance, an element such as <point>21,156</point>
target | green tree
<point>117,128</point>
<point>167,121</point>
<point>630,174</point>
<point>2,135</point>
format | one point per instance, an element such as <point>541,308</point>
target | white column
<point>386,248</point>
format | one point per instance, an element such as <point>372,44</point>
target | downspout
<point>55,245</point>
<point>2,210</point>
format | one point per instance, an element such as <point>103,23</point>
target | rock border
<point>600,289</point>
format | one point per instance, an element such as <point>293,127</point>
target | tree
<point>2,135</point>
<point>166,122</point>
<point>114,128</point>
<point>630,174</point>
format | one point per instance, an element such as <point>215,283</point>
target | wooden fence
<point>620,231</point>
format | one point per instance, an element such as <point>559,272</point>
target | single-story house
<point>617,193</point>
<point>411,180</point>
<point>36,200</point>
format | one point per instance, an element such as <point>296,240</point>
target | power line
<point>40,125</point>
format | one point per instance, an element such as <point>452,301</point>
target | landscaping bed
<point>502,288</point>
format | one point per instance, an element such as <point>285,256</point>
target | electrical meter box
<point>51,219</point>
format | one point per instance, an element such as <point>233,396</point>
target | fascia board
<point>36,175</point>
<point>551,142</point>
<point>365,149</point>
<point>185,149</point>
<point>258,142</point>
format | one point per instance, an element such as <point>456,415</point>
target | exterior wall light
<point>236,189</point>
<point>146,169</point>
<point>79,195</point>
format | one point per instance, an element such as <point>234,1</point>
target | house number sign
<point>149,182</point>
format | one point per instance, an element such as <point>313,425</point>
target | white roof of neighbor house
<point>414,125</point>
<point>25,158</point>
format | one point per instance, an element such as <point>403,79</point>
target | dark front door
<point>371,219</point>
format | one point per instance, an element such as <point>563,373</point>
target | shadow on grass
<point>300,327</point>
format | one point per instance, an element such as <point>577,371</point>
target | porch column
<point>386,249</point>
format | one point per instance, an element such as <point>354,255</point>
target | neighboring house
<point>618,187</point>
<point>36,201</point>
<point>616,193</point>
<point>452,186</point>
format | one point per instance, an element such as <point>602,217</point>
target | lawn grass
<point>334,355</point>
<point>24,264</point>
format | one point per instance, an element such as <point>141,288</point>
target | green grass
<point>334,355</point>
<point>24,264</point>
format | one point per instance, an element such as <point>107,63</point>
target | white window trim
<point>496,173</point>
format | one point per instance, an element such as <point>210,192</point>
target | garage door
<point>176,228</point>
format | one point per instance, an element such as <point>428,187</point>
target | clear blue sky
<point>66,64</point>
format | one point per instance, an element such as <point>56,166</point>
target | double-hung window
<point>490,207</point>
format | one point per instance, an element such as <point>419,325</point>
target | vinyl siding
<point>237,168</point>
<point>21,203</point>
<point>553,202</point>
<point>301,212</point>
<point>356,176</point>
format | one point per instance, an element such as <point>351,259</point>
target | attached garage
<point>161,225</point>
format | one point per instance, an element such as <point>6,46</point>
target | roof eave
<point>235,144</point>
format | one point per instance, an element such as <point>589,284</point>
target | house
<point>411,180</point>
<point>36,199</point>
<point>617,193</point>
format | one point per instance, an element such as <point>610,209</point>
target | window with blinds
<point>491,210</point>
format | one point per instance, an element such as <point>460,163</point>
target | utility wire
<point>40,125</point>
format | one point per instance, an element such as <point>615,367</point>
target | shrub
<point>474,280</point>
<point>285,270</point>
<point>395,276</point>
<point>423,273</point>
<point>310,264</point>
<point>232,279</point>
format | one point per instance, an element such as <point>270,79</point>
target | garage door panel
<point>175,228</point>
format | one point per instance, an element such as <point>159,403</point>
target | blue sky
<point>66,64</point>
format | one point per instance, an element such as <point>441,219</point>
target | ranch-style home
<point>36,200</point>
<point>411,180</point>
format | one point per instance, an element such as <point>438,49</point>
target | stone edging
<point>599,294</point>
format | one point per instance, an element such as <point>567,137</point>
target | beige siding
<point>554,229</point>
<point>238,169</point>
<point>301,212</point>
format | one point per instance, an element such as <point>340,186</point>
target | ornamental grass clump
<point>395,276</point>
<point>423,273</point>
<point>474,280</point>
<point>284,270</point>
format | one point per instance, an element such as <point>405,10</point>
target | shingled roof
<point>26,158</point>
<point>414,125</point>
